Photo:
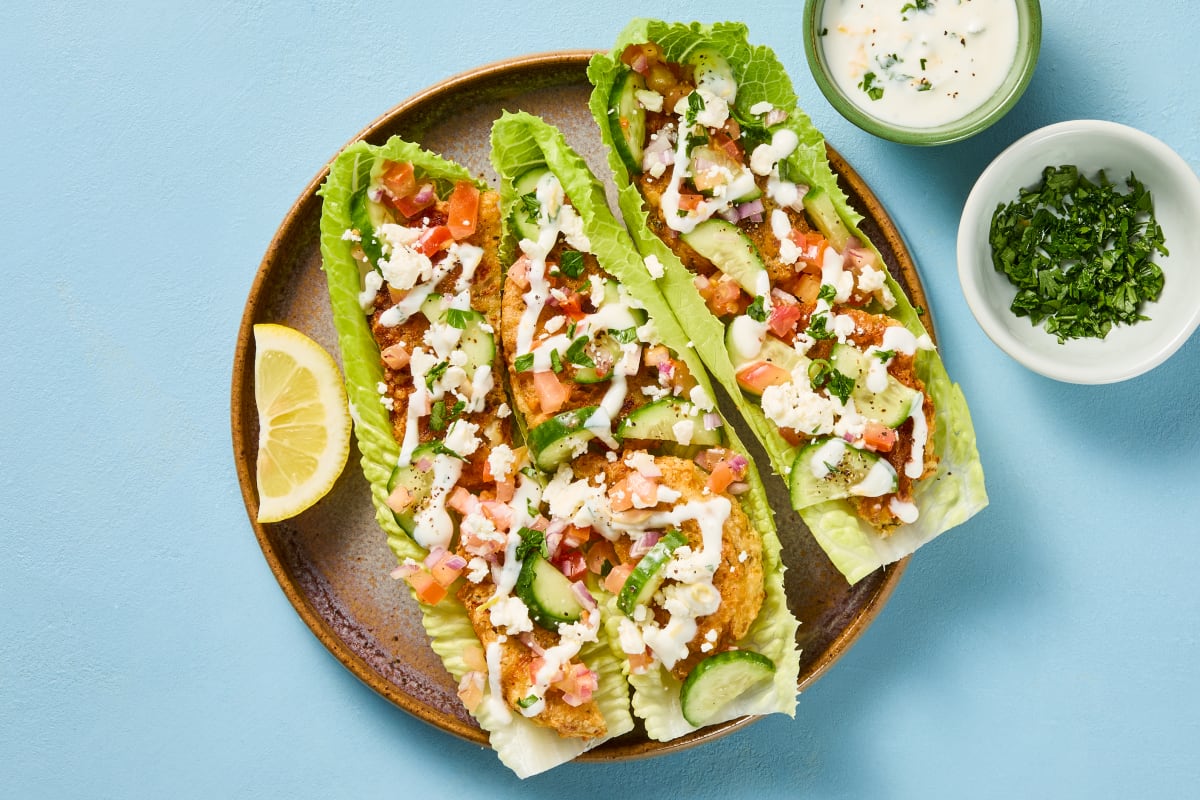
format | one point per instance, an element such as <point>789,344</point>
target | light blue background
<point>1047,648</point>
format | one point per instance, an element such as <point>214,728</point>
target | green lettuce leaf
<point>521,142</point>
<point>526,748</point>
<point>957,491</point>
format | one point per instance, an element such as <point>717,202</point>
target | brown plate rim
<point>242,388</point>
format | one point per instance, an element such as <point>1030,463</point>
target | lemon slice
<point>303,421</point>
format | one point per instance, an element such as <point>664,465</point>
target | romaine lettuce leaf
<point>520,142</point>
<point>526,748</point>
<point>945,500</point>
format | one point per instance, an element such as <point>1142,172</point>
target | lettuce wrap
<point>521,145</point>
<point>524,747</point>
<point>766,104</point>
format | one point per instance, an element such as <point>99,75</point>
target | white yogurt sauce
<point>919,67</point>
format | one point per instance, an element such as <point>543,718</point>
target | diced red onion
<point>775,116</point>
<point>754,218</point>
<point>530,642</point>
<point>540,523</point>
<point>658,151</point>
<point>405,570</point>
<point>644,542</point>
<point>738,462</point>
<point>640,63</point>
<point>749,209</point>
<point>424,194</point>
<point>583,595</point>
<point>553,540</point>
<point>435,555</point>
<point>648,470</point>
<point>729,214</point>
<point>701,282</point>
<point>738,487</point>
<point>424,464</point>
<point>665,368</point>
<point>712,421</point>
<point>455,562</point>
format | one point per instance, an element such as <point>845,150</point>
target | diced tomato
<point>812,248</point>
<point>619,496</point>
<point>726,297</point>
<point>616,579</point>
<point>462,501</point>
<point>518,273</point>
<point>499,512</point>
<point>643,491</point>
<point>410,205</point>
<point>434,239</point>
<point>396,356</point>
<point>551,392</point>
<point>571,563</point>
<point>572,305</point>
<point>600,553</point>
<point>728,146</point>
<point>656,355</point>
<point>720,478</point>
<point>428,590</point>
<point>640,662</point>
<point>575,536</point>
<point>689,201</point>
<point>707,459</point>
<point>447,569</point>
<point>399,180</point>
<point>806,287</point>
<point>463,210</point>
<point>506,489</point>
<point>470,689</point>
<point>783,318</point>
<point>577,685</point>
<point>879,437</point>
<point>761,374</point>
<point>399,500</point>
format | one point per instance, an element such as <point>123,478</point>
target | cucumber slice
<point>526,183</point>
<point>647,576</point>
<point>730,251</point>
<point>892,406</point>
<point>820,209</point>
<point>477,342</point>
<point>419,484</point>
<point>841,471</point>
<point>547,593</point>
<point>612,294</point>
<point>627,119</point>
<point>772,350</point>
<point>557,439</point>
<point>604,351</point>
<point>714,73</point>
<point>719,679</point>
<point>657,421</point>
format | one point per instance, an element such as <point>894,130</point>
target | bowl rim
<point>1029,14</point>
<point>969,268</point>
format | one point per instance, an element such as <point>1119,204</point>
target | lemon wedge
<point>303,421</point>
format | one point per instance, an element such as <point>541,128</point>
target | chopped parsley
<point>571,263</point>
<point>556,361</point>
<point>867,84</point>
<point>437,416</point>
<point>435,372</point>
<point>457,318</point>
<point>1079,252</point>
<point>916,5</point>
<point>440,449</point>
<point>527,701</point>
<point>575,353</point>
<point>827,292</point>
<point>625,335</point>
<point>531,207</point>
<point>523,363</point>
<point>531,542</point>
<point>695,106</point>
<point>839,385</point>
<point>816,327</point>
<point>756,311</point>
<point>885,355</point>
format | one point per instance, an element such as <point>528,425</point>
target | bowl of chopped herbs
<point>1079,251</point>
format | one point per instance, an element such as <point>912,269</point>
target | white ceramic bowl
<point>1091,145</point>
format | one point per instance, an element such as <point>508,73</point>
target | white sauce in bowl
<point>919,64</point>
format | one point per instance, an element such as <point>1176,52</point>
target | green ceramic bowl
<point>1029,40</point>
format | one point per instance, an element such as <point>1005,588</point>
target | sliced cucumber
<point>772,350</point>
<point>418,482</point>
<point>547,593</point>
<point>557,439</point>
<point>829,469</point>
<point>730,251</point>
<point>647,576</point>
<point>720,679</point>
<point>612,294</point>
<point>891,406</point>
<point>627,119</point>
<point>657,421</point>
<point>524,226</point>
<point>604,351</point>
<point>820,209</point>
<point>713,72</point>
<point>476,342</point>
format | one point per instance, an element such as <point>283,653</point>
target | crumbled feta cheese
<point>630,637</point>
<point>700,398</point>
<point>795,405</point>
<point>715,111</point>
<point>511,614</point>
<point>654,266</point>
<point>503,412</point>
<point>351,235</point>
<point>870,279</point>
<point>461,438</point>
<point>477,570</point>
<point>500,461</point>
<point>761,107</point>
<point>683,431</point>
<point>555,323</point>
<point>649,99</point>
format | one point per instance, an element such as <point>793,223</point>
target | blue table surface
<point>1049,647</point>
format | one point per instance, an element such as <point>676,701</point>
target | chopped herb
<point>885,355</point>
<point>571,329</point>
<point>867,84</point>
<point>839,385</point>
<point>916,5</point>
<point>523,363</point>
<point>571,263</point>
<point>1079,252</point>
<point>756,311</point>
<point>606,568</point>
<point>577,356</point>
<point>695,140</point>
<point>681,212</point>
<point>531,542</point>
<point>818,372</point>
<point>435,372</point>
<point>527,701</point>
<point>924,85</point>
<point>439,448</point>
<point>624,336</point>
<point>922,63</point>
<point>437,416</point>
<point>816,327</point>
<point>531,206</point>
<point>695,106</point>
<point>456,318</point>
<point>458,408</point>
<point>556,361</point>
<point>920,310</point>
<point>827,292</point>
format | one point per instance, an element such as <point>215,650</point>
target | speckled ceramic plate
<point>332,561</point>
